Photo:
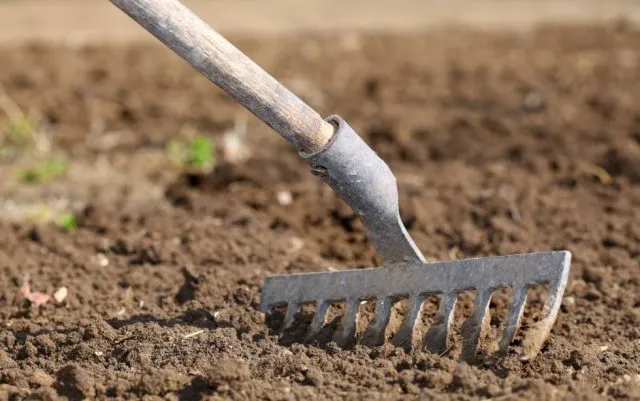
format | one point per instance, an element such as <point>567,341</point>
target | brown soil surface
<point>501,144</point>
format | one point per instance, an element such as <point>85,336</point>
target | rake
<point>343,160</point>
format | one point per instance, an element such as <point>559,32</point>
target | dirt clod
<point>6,362</point>
<point>162,381</point>
<point>227,373</point>
<point>75,383</point>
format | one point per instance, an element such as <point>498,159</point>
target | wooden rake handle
<point>222,63</point>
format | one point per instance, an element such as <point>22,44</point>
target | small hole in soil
<point>241,221</point>
<point>194,180</point>
<point>568,182</point>
<point>515,153</point>
<point>278,225</point>
<point>371,88</point>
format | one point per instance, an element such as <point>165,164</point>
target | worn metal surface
<point>366,183</point>
<point>417,280</point>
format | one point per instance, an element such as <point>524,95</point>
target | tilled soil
<point>501,143</point>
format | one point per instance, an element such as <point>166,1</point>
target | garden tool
<point>343,160</point>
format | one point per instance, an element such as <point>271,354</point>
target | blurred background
<point>140,205</point>
<point>53,50</point>
<point>95,20</point>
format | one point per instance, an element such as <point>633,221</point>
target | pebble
<point>295,244</point>
<point>234,147</point>
<point>40,378</point>
<point>102,260</point>
<point>61,294</point>
<point>285,198</point>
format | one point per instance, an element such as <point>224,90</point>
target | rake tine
<point>346,332</point>
<point>318,319</point>
<point>537,335</point>
<point>435,340</point>
<point>290,315</point>
<point>518,272</point>
<point>374,335</point>
<point>404,336</point>
<point>472,328</point>
<point>518,300</point>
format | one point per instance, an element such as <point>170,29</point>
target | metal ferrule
<point>366,183</point>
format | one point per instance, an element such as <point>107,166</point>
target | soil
<point>501,143</point>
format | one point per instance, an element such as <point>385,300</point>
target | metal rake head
<point>366,183</point>
<point>417,281</point>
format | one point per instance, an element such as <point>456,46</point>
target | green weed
<point>198,153</point>
<point>45,214</point>
<point>67,222</point>
<point>45,171</point>
<point>202,153</point>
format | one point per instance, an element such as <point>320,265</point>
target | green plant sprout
<point>198,153</point>
<point>44,214</point>
<point>67,222</point>
<point>45,171</point>
<point>202,152</point>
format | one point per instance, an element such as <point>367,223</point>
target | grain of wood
<point>221,62</point>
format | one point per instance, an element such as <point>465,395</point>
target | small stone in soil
<point>61,295</point>
<point>284,198</point>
